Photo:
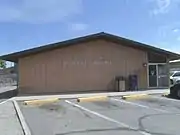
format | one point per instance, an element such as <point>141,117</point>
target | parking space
<point>148,116</point>
<point>62,118</point>
<point>9,121</point>
<point>158,103</point>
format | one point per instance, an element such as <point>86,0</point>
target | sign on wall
<point>83,62</point>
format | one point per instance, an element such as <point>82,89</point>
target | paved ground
<point>7,88</point>
<point>8,92</point>
<point>153,115</point>
<point>9,123</point>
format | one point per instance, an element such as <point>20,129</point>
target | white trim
<point>157,75</point>
<point>174,61</point>
<point>147,69</point>
<point>148,75</point>
<point>157,63</point>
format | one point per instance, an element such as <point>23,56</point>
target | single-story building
<point>90,63</point>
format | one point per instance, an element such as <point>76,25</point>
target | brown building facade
<point>90,63</point>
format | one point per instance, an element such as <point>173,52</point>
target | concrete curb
<point>25,127</point>
<point>166,94</point>
<point>138,96</point>
<point>7,100</point>
<point>90,99</point>
<point>72,96</point>
<point>41,101</point>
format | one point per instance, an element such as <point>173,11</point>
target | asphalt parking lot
<point>152,115</point>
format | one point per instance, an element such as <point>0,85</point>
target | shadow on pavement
<point>9,94</point>
<point>172,97</point>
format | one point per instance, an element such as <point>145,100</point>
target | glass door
<point>153,82</point>
<point>163,76</point>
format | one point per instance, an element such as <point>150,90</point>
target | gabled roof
<point>112,38</point>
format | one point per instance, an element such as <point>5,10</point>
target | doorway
<point>158,75</point>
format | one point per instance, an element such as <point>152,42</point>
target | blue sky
<point>30,23</point>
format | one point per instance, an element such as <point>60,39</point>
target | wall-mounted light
<point>144,64</point>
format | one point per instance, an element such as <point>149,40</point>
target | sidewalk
<point>67,96</point>
<point>9,123</point>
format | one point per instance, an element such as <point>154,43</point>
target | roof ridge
<point>106,36</point>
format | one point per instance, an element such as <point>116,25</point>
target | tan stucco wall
<point>87,66</point>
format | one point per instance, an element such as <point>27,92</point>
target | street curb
<point>75,96</point>
<point>7,100</point>
<point>138,96</point>
<point>21,118</point>
<point>41,101</point>
<point>165,94</point>
<point>90,99</point>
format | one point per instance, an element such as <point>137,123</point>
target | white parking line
<point>24,125</point>
<point>165,98</point>
<point>10,99</point>
<point>139,105</point>
<point>104,117</point>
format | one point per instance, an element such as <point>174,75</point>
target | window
<point>177,74</point>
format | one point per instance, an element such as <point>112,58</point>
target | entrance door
<point>158,75</point>
<point>153,76</point>
<point>163,76</point>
